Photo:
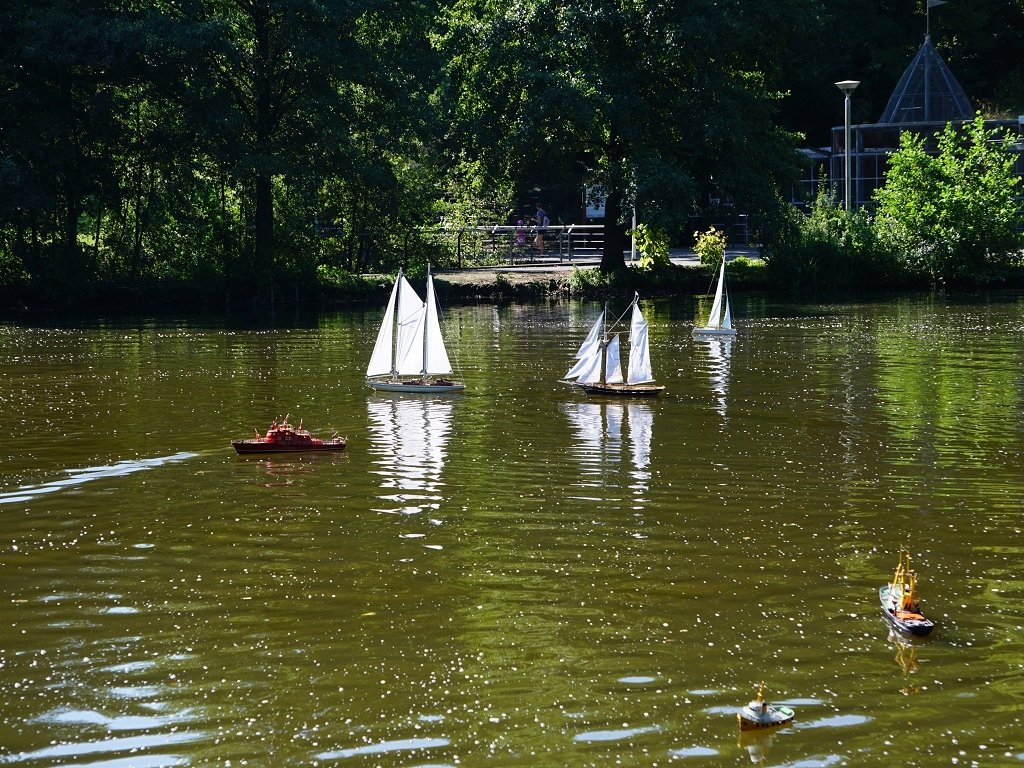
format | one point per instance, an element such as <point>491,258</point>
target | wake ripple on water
<point>88,474</point>
<point>399,745</point>
<point>618,735</point>
<point>107,745</point>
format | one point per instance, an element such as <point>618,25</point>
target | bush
<point>652,243</point>
<point>710,247</point>
<point>952,217</point>
<point>829,249</point>
<point>583,280</point>
<point>350,284</point>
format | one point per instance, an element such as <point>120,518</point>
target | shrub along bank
<point>947,219</point>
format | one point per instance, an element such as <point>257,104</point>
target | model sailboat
<point>409,343</point>
<point>719,323</point>
<point>599,370</point>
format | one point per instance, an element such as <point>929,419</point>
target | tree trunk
<point>37,258</point>
<point>136,264</point>
<point>19,240</point>
<point>265,106</point>
<point>264,227</point>
<point>99,224</point>
<point>612,259</point>
<point>72,253</point>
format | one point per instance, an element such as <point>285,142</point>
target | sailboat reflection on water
<point>719,357</point>
<point>599,437</point>
<point>409,441</point>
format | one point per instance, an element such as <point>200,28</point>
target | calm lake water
<point>521,575</point>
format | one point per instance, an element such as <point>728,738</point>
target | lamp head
<point>847,86</point>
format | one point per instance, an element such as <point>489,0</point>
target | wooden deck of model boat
<point>628,390</point>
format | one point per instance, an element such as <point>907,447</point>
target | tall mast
<point>394,335</point>
<point>426,334</point>
<point>604,344</point>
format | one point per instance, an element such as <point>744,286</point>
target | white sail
<point>727,317</point>
<point>591,346</point>
<point>714,321</point>
<point>582,366</point>
<point>639,352</point>
<point>409,355</point>
<point>383,351</point>
<point>590,372</point>
<point>593,338</point>
<point>436,362</point>
<point>612,367</point>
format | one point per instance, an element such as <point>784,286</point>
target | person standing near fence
<point>543,222</point>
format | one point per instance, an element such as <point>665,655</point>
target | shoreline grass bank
<point>495,285</point>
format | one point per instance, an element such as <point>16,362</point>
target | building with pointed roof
<point>927,93</point>
<point>926,98</point>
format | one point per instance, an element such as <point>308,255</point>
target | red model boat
<point>284,437</point>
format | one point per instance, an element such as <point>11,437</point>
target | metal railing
<point>531,245</point>
<point>492,245</point>
<point>464,246</point>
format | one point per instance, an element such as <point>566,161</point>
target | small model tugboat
<point>757,715</point>
<point>283,437</point>
<point>899,602</point>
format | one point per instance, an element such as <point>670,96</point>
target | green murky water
<point>520,575</point>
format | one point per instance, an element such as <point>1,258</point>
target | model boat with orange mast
<point>284,438</point>
<point>900,602</point>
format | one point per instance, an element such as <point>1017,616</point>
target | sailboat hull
<point>714,331</point>
<point>418,386</point>
<point>622,390</point>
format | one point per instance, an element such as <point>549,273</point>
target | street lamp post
<point>847,87</point>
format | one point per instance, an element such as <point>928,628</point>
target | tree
<point>58,63</point>
<point>952,216</point>
<point>659,103</point>
<point>275,87</point>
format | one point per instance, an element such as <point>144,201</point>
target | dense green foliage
<point>652,244</point>
<point>208,139</point>
<point>828,249</point>
<point>950,217</point>
<point>953,216</point>
<point>659,103</point>
<point>710,247</point>
<point>236,144</point>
